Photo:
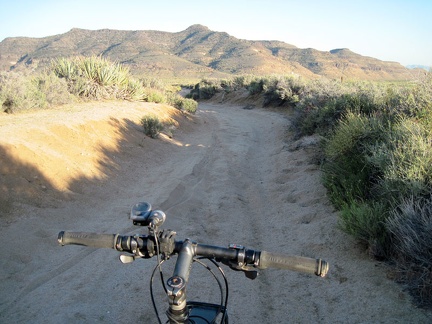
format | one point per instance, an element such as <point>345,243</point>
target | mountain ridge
<point>196,52</point>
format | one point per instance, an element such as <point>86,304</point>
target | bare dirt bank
<point>228,175</point>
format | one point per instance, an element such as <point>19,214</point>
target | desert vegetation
<point>375,152</point>
<point>376,158</point>
<point>76,79</point>
<point>152,126</point>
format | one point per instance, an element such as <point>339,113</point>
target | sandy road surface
<point>229,177</point>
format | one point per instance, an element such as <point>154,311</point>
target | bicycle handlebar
<point>234,253</point>
<point>95,240</point>
<point>294,263</point>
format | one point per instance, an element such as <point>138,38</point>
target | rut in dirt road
<point>234,177</point>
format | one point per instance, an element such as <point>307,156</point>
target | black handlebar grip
<point>297,263</point>
<point>88,239</point>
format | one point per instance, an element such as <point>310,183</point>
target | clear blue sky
<point>390,30</point>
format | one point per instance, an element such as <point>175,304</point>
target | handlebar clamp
<point>241,264</point>
<point>167,242</point>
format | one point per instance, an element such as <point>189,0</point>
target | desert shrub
<point>186,104</point>
<point>366,222</point>
<point>152,126</point>
<point>206,89</point>
<point>403,160</point>
<point>155,95</point>
<point>322,105</point>
<point>135,91</point>
<point>351,180</point>
<point>238,82</point>
<point>421,99</point>
<point>256,86</point>
<point>97,78</point>
<point>279,90</point>
<point>153,83</point>
<point>65,68</point>
<point>347,174</point>
<point>377,158</point>
<point>18,92</point>
<point>22,92</point>
<point>54,89</point>
<point>181,103</point>
<point>411,228</point>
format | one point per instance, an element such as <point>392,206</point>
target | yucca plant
<point>135,91</point>
<point>65,68</point>
<point>96,77</point>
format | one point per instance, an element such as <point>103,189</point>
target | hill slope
<point>196,52</point>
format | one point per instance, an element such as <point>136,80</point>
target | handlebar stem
<point>176,285</point>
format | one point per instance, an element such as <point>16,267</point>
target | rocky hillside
<point>196,52</point>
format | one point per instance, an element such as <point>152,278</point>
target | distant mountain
<point>196,52</point>
<point>424,67</point>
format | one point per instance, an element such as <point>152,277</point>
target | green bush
<point>206,89</point>
<point>347,174</point>
<point>278,91</point>
<point>403,160</point>
<point>256,87</point>
<point>152,126</point>
<point>366,222</point>
<point>155,95</point>
<point>188,105</point>
<point>237,82</point>
<point>378,169</point>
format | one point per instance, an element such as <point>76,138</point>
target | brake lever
<point>249,271</point>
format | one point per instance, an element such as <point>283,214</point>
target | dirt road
<point>230,176</point>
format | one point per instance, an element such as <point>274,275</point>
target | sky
<point>389,30</point>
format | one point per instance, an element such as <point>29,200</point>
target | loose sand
<point>228,175</point>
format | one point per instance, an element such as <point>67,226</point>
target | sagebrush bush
<point>237,82</point>
<point>155,95</point>
<point>152,126</point>
<point>403,160</point>
<point>279,90</point>
<point>377,159</point>
<point>20,92</point>
<point>346,172</point>
<point>206,89</point>
<point>55,90</point>
<point>153,83</point>
<point>411,228</point>
<point>255,87</point>
<point>314,97</point>
<point>366,222</point>
<point>188,105</point>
